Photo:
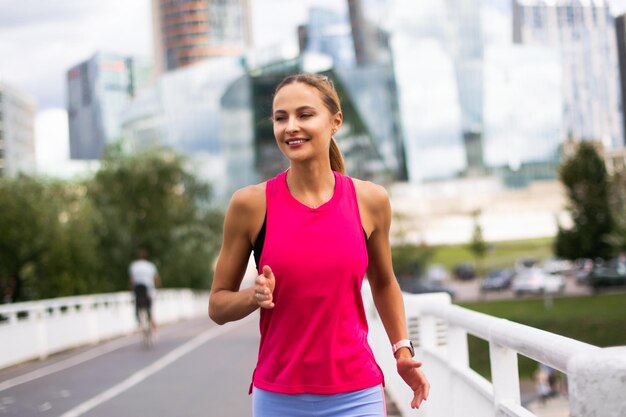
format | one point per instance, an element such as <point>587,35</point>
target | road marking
<point>64,364</point>
<point>149,370</point>
<point>73,361</point>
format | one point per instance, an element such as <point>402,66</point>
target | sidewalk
<point>553,407</point>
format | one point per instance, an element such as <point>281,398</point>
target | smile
<point>295,141</point>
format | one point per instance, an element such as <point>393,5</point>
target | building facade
<point>189,31</point>
<point>98,90</point>
<point>17,133</point>
<point>620,31</point>
<point>583,33</point>
<point>197,111</point>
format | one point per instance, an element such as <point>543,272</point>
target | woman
<point>315,232</point>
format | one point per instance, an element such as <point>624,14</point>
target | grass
<point>599,320</point>
<point>500,255</point>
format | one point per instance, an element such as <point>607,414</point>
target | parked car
<point>497,280</point>
<point>436,274</point>
<point>607,274</point>
<point>535,281</point>
<point>582,270</point>
<point>557,266</point>
<point>523,264</point>
<point>420,286</point>
<point>464,271</point>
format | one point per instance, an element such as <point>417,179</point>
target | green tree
<point>617,237</point>
<point>410,260</point>
<point>46,244</point>
<point>586,181</point>
<point>150,200</point>
<point>477,245</point>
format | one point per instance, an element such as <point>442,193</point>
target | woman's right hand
<point>264,288</point>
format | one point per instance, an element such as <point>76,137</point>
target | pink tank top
<point>315,338</point>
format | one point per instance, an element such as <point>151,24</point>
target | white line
<point>64,364</point>
<point>108,347</point>
<point>155,367</point>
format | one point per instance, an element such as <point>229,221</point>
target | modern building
<point>328,32</point>
<point>365,75</point>
<point>190,31</point>
<point>465,44</point>
<point>98,90</point>
<point>218,113</point>
<point>521,143</point>
<point>583,34</point>
<point>620,31</point>
<point>192,111</point>
<point>17,133</point>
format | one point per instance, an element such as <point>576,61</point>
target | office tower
<point>328,32</point>
<point>583,33</point>
<point>197,111</point>
<point>17,134</point>
<point>369,85</point>
<point>466,46</point>
<point>522,114</point>
<point>620,31</point>
<point>98,91</point>
<point>189,31</point>
<point>371,43</point>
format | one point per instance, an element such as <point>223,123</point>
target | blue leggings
<point>368,402</point>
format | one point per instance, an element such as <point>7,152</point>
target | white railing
<point>596,377</point>
<point>37,329</point>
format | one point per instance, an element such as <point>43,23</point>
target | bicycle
<point>145,327</point>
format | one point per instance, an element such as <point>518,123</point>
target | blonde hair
<point>330,98</point>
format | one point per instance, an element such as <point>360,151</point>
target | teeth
<point>295,142</point>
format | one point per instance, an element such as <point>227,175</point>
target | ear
<point>337,121</point>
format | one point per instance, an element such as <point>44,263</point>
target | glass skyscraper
<point>98,90</point>
<point>198,111</point>
<point>471,101</point>
<point>583,34</point>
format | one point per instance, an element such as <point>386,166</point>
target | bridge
<point>81,356</point>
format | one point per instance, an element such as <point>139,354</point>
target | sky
<point>41,39</point>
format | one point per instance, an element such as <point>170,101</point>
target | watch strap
<point>403,343</point>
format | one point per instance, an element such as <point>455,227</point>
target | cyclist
<point>144,278</point>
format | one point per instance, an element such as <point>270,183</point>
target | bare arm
<point>376,217</point>
<point>243,217</point>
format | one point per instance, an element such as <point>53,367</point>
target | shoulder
<point>248,200</point>
<point>371,196</point>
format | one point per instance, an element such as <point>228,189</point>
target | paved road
<point>195,369</point>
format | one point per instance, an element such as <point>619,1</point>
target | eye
<point>306,115</point>
<point>279,118</point>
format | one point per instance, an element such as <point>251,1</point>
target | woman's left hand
<point>408,370</point>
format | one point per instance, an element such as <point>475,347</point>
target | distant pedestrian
<point>315,232</point>
<point>544,378</point>
<point>144,278</point>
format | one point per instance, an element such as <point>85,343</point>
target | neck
<point>312,184</point>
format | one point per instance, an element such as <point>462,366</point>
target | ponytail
<point>336,158</point>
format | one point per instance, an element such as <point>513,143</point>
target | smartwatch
<point>403,343</point>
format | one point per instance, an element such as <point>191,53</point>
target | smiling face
<point>303,124</point>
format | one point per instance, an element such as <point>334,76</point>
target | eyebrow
<point>301,108</point>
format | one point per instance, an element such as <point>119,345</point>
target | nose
<point>292,125</point>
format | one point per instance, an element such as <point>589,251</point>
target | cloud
<point>61,34</point>
<point>33,12</point>
<point>52,150</point>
